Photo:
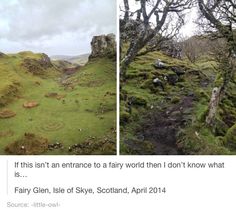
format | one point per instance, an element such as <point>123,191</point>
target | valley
<point>43,110</point>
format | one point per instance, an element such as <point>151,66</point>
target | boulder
<point>158,82</point>
<point>103,45</point>
<point>45,61</point>
<point>178,71</point>
<point>172,78</point>
<point>30,104</point>
<point>159,64</point>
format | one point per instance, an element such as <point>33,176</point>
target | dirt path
<point>161,128</point>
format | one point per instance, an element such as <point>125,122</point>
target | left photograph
<point>57,77</point>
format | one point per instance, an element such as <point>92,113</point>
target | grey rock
<point>190,94</point>
<point>158,82</point>
<point>159,64</point>
<point>178,71</point>
<point>103,45</point>
<point>172,79</point>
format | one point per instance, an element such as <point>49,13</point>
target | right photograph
<point>177,77</point>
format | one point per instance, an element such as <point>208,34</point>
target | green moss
<point>201,94</point>
<point>219,80</point>
<point>201,111</point>
<point>138,100</point>
<point>198,140</point>
<point>147,84</point>
<point>175,100</point>
<point>124,117</point>
<point>220,127</point>
<point>230,137</point>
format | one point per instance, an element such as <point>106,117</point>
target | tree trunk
<point>126,4</point>
<point>136,45</point>
<point>212,110</point>
<point>129,57</point>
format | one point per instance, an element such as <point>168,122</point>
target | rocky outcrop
<point>2,55</point>
<point>37,66</point>
<point>103,46</point>
<point>45,61</point>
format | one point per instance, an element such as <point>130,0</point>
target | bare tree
<point>195,46</point>
<point>161,11</point>
<point>219,18</point>
<point>166,39</point>
<point>126,4</point>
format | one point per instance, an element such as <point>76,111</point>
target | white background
<point>186,188</point>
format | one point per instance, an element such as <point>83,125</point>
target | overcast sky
<point>189,29</point>
<point>55,27</point>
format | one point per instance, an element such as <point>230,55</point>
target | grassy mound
<point>29,144</point>
<point>15,76</point>
<point>5,113</point>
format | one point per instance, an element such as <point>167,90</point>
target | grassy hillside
<point>76,114</point>
<point>169,119</point>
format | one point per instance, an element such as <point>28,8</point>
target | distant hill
<point>79,59</point>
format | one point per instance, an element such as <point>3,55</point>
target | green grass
<point>75,119</point>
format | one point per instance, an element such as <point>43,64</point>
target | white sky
<point>55,27</point>
<point>189,29</point>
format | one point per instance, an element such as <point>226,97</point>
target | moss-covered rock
<point>172,78</point>
<point>124,117</point>
<point>138,100</point>
<point>230,137</point>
